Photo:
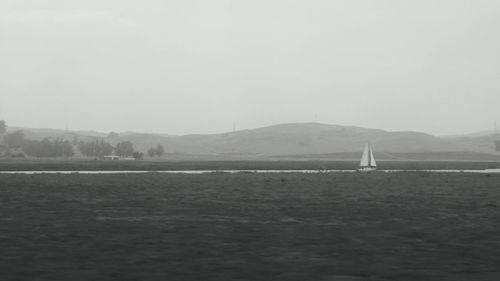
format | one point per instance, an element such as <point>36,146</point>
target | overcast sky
<point>199,66</point>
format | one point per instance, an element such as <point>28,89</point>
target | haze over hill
<point>484,140</point>
<point>309,140</point>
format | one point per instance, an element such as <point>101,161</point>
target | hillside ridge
<point>290,139</point>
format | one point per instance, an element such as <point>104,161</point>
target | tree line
<point>14,142</point>
<point>94,148</point>
<point>47,147</point>
<point>58,147</point>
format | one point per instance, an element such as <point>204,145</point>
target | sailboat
<point>367,160</point>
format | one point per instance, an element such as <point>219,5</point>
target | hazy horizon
<point>15,127</point>
<point>182,67</point>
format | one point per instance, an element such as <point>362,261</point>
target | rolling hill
<point>300,140</point>
<point>484,140</point>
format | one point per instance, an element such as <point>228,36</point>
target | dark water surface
<point>250,226</point>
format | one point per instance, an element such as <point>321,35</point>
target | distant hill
<point>484,140</point>
<point>41,133</point>
<point>314,138</point>
<point>302,140</point>
<point>476,134</point>
<point>384,156</point>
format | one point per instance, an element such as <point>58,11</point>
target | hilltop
<point>297,140</point>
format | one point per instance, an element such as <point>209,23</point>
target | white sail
<point>365,159</point>
<point>372,159</point>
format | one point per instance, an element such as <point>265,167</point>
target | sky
<point>187,66</point>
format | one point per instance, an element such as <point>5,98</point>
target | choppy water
<point>194,172</point>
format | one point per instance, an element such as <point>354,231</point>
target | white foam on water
<point>178,172</point>
<point>196,172</point>
<point>487,171</point>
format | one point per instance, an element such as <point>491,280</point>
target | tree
<point>159,150</point>
<point>45,149</point>
<point>152,152</point>
<point>67,149</point>
<point>124,149</point>
<point>95,148</point>
<point>3,127</point>
<point>85,148</point>
<point>113,135</point>
<point>138,155</point>
<point>48,148</point>
<point>103,148</point>
<point>14,139</point>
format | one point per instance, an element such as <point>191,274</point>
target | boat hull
<point>367,169</point>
